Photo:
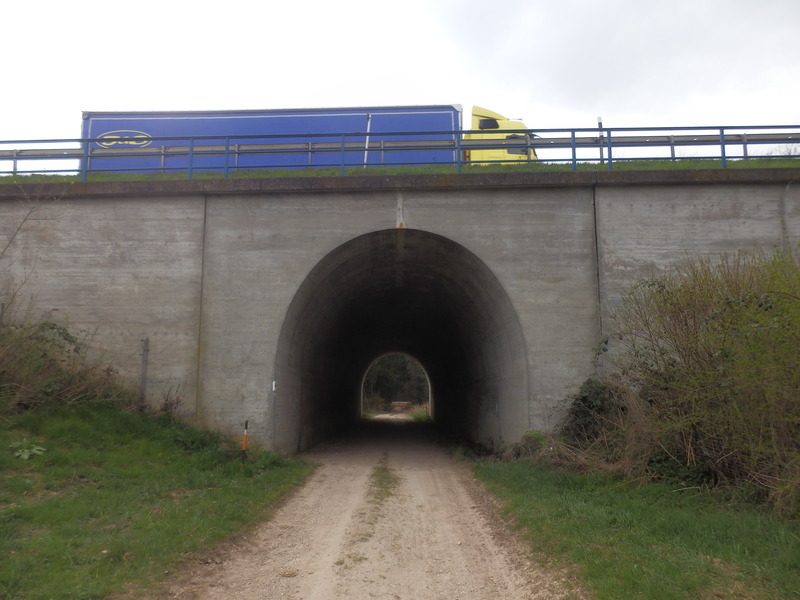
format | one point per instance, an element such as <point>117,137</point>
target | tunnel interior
<point>410,291</point>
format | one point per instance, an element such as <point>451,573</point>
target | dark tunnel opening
<point>406,291</point>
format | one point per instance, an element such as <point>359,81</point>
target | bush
<point>607,428</point>
<point>44,364</point>
<point>596,403</point>
<point>711,351</point>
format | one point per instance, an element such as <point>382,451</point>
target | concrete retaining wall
<point>208,272</point>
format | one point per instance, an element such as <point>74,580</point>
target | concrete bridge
<point>266,300</point>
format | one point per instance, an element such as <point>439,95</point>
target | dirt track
<point>437,536</point>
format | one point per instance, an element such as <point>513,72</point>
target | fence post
<point>722,148</point>
<point>191,157</point>
<point>227,155</point>
<point>341,164</point>
<point>600,139</point>
<point>85,161</point>
<point>574,152</point>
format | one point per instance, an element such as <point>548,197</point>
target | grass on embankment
<point>541,166</point>
<point>94,498</point>
<point>649,541</point>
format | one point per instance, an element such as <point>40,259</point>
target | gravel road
<point>436,535</point>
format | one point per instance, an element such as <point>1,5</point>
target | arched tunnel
<point>401,290</point>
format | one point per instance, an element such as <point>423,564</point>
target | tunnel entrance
<point>396,384</point>
<point>409,291</point>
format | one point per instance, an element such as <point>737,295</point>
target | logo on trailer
<point>122,138</point>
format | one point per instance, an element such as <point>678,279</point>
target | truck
<point>486,125</point>
<point>298,138</point>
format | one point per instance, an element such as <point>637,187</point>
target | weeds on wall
<point>44,364</point>
<point>707,388</point>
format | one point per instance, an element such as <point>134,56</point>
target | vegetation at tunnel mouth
<point>675,473</point>
<point>97,495</point>
<point>656,542</point>
<point>96,498</point>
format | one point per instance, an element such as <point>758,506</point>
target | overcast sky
<point>554,63</point>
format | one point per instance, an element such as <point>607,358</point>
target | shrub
<point>44,364</point>
<point>606,427</point>
<point>712,351</point>
<point>595,403</point>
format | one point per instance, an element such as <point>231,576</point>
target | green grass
<point>117,498</point>
<point>421,416</point>
<point>532,167</point>
<point>383,481</point>
<point>649,541</point>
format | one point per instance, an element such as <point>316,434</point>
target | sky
<point>553,64</point>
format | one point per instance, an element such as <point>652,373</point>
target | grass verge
<point>535,167</point>
<point>95,499</point>
<point>649,541</point>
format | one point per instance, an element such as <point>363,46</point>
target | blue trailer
<point>260,139</point>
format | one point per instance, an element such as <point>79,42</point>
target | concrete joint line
<point>597,261</point>
<point>399,219</point>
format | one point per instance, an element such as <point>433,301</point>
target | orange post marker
<point>244,437</point>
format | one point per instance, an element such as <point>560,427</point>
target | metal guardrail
<point>604,146</point>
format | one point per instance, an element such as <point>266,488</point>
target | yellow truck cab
<point>494,126</point>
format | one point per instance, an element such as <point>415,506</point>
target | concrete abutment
<point>497,283</point>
